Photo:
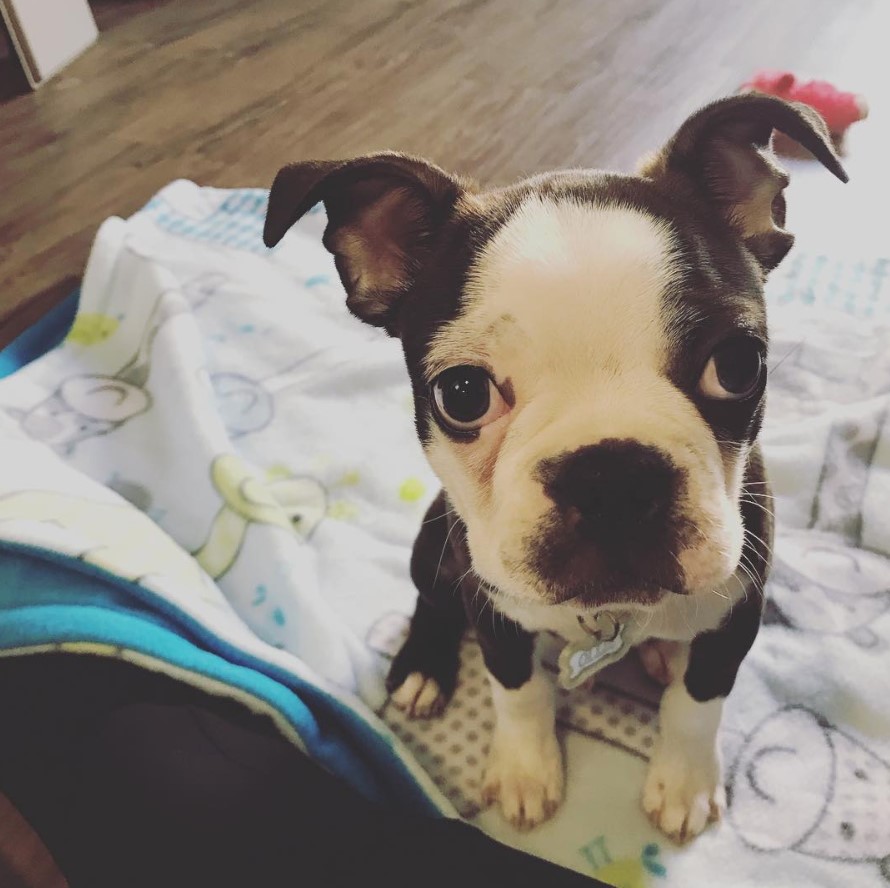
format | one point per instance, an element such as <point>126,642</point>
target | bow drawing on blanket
<point>293,503</point>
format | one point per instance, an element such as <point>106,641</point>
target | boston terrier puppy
<point>587,352</point>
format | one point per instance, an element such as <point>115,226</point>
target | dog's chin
<point>639,593</point>
<point>590,597</point>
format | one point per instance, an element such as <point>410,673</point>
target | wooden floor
<point>225,91</point>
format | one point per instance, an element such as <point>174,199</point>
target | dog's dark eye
<point>734,370</point>
<point>466,398</point>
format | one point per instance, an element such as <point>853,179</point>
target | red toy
<point>839,109</point>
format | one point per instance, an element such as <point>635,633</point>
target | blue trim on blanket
<point>42,336</point>
<point>858,288</point>
<point>48,598</point>
<point>235,223</point>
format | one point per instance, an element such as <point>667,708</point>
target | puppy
<point>587,352</point>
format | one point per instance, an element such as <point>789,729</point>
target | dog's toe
<point>682,798</point>
<point>527,782</point>
<point>419,696</point>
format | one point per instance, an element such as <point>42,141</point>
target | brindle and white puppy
<point>587,352</point>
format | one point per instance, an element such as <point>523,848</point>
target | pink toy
<point>839,109</point>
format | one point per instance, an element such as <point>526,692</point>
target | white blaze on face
<point>566,304</point>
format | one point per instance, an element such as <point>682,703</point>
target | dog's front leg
<point>524,770</point>
<point>684,787</point>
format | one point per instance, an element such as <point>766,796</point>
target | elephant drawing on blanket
<point>800,784</point>
<point>93,404</point>
<point>247,405</point>
<point>89,405</point>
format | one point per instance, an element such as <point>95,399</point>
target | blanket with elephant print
<point>219,433</point>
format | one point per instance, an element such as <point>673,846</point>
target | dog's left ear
<point>384,211</point>
<point>724,151</point>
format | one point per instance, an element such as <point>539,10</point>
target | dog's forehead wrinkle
<point>499,326</point>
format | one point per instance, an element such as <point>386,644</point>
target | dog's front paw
<point>682,797</point>
<point>419,696</point>
<point>527,779</point>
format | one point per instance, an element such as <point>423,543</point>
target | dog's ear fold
<point>383,212</point>
<point>724,151</point>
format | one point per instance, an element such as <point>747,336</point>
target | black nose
<point>614,490</point>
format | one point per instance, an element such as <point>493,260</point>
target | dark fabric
<point>132,778</point>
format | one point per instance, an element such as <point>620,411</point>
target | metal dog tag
<point>579,660</point>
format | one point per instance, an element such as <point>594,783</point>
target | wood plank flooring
<point>224,92</point>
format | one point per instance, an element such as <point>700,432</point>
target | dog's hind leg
<point>423,674</point>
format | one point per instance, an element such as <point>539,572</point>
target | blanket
<point>232,455</point>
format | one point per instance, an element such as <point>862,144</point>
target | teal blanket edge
<point>48,599</point>
<point>42,336</point>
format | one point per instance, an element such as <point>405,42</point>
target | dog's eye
<point>466,398</point>
<point>734,371</point>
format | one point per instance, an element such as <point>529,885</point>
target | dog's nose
<point>614,490</point>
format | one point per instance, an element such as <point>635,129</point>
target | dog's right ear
<point>384,211</point>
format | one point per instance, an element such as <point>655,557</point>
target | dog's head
<point>587,350</point>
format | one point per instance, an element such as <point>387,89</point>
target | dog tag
<point>579,660</point>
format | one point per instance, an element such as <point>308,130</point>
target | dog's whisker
<point>787,355</point>
<point>444,548</point>
<point>757,505</point>
<point>758,498</point>
<point>445,514</point>
<point>767,548</point>
<point>742,584</point>
<point>746,558</point>
<point>749,572</point>
<point>462,577</point>
<point>747,569</point>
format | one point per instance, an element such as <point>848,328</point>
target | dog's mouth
<point>564,571</point>
<point>584,592</point>
<point>595,597</point>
